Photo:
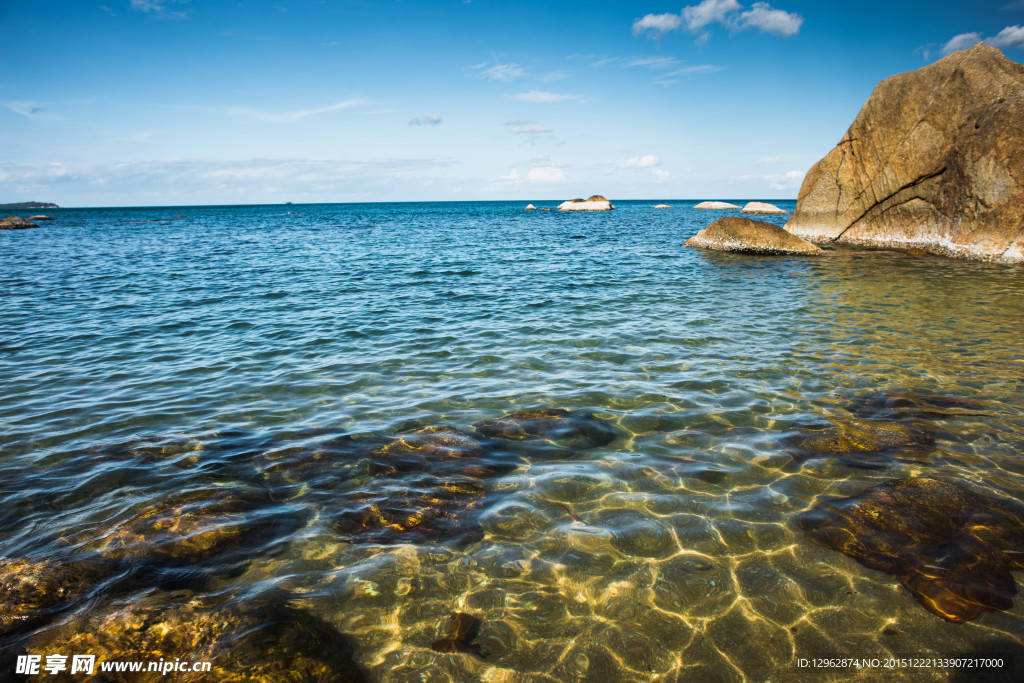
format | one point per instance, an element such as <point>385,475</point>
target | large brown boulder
<point>934,160</point>
<point>16,223</point>
<point>735,233</point>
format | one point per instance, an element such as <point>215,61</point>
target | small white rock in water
<point>531,207</point>
<point>716,205</point>
<point>594,203</point>
<point>662,206</point>
<point>761,207</point>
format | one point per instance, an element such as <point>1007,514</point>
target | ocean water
<point>253,365</point>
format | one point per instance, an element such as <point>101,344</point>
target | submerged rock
<point>184,528</point>
<point>572,428</point>
<point>734,233</point>
<point>762,207</point>
<point>855,439</point>
<point>33,591</point>
<point>951,548</point>
<point>907,405</point>
<point>267,643</point>
<point>463,631</point>
<point>716,205</point>
<point>410,510</point>
<point>934,160</point>
<point>16,223</point>
<point>594,203</point>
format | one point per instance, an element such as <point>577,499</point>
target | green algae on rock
<point>743,235</point>
<point>267,643</point>
<point>572,428</point>
<point>953,549</point>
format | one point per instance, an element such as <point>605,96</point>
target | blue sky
<point>163,102</point>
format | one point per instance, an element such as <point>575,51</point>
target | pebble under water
<point>463,441</point>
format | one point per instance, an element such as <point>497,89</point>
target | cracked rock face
<point>933,161</point>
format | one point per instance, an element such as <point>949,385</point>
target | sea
<point>480,443</point>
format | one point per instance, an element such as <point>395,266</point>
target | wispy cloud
<point>653,62</point>
<point>426,120</point>
<point>529,129</point>
<point>790,180</point>
<point>645,161</point>
<point>25,107</point>
<point>546,97</point>
<point>499,72</point>
<point>546,174</point>
<point>768,160</point>
<point>160,8</point>
<point>697,19</point>
<point>280,117</point>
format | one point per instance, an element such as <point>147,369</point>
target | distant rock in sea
<point>16,223</point>
<point>531,207</point>
<point>716,205</point>
<point>662,206</point>
<point>933,161</point>
<point>762,207</point>
<point>594,203</point>
<point>40,218</point>
<point>735,233</point>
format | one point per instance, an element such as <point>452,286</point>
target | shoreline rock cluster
<point>594,203</point>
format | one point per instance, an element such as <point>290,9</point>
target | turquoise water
<point>144,352</point>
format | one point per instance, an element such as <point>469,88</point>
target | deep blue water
<point>145,352</point>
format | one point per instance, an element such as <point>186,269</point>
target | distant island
<point>22,206</point>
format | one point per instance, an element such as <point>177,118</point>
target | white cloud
<point>158,8</point>
<point>960,42</point>
<point>1011,36</point>
<point>660,175</point>
<point>272,117</point>
<point>542,96</point>
<point>775,22</point>
<point>500,72</point>
<point>708,12</point>
<point>657,24</point>
<point>646,161</point>
<point>546,174</point>
<point>540,160</point>
<point>512,177</point>
<point>606,60</point>
<point>426,120</point>
<point>698,19</point>
<point>696,69</point>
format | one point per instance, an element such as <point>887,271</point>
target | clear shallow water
<point>148,351</point>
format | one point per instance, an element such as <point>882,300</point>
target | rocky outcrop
<point>40,218</point>
<point>762,207</point>
<point>16,223</point>
<point>531,207</point>
<point>594,203</point>
<point>716,205</point>
<point>662,206</point>
<point>734,233</point>
<point>933,161</point>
